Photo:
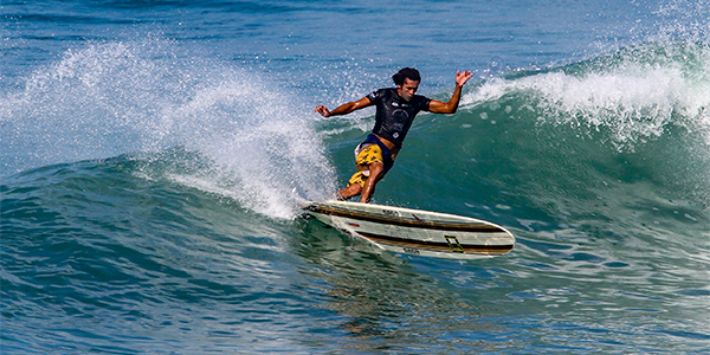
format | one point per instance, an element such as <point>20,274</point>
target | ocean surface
<point>153,155</point>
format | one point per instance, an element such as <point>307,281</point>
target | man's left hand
<point>462,77</point>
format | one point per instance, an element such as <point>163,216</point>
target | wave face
<point>150,203</point>
<point>638,117</point>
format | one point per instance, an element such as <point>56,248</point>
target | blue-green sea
<point>154,154</point>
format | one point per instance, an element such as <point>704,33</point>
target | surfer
<point>395,111</point>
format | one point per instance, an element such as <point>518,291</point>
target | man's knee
<point>376,169</point>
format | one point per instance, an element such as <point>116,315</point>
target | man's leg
<point>376,170</point>
<point>349,191</point>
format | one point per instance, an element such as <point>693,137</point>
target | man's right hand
<point>323,111</point>
<point>345,108</point>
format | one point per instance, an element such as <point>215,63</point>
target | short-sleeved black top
<point>394,116</point>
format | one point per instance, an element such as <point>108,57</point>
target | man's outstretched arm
<point>345,108</point>
<point>437,106</point>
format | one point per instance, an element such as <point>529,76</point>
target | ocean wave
<point>634,94</point>
<point>106,99</point>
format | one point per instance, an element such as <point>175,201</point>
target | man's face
<point>407,89</point>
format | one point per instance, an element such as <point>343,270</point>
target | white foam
<point>107,99</point>
<point>632,100</point>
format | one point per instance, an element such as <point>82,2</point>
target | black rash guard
<point>394,116</point>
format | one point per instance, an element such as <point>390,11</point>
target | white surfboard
<point>412,231</point>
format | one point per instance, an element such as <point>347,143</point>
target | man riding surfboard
<point>395,111</point>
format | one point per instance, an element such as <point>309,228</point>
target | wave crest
<point>635,94</point>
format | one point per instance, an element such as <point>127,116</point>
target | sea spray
<point>106,99</point>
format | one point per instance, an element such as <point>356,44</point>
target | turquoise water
<point>153,154</point>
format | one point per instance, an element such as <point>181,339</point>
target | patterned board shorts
<point>364,156</point>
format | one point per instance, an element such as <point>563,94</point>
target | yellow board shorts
<point>364,156</point>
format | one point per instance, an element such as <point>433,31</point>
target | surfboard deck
<point>412,231</point>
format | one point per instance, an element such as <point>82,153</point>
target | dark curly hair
<point>406,73</point>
